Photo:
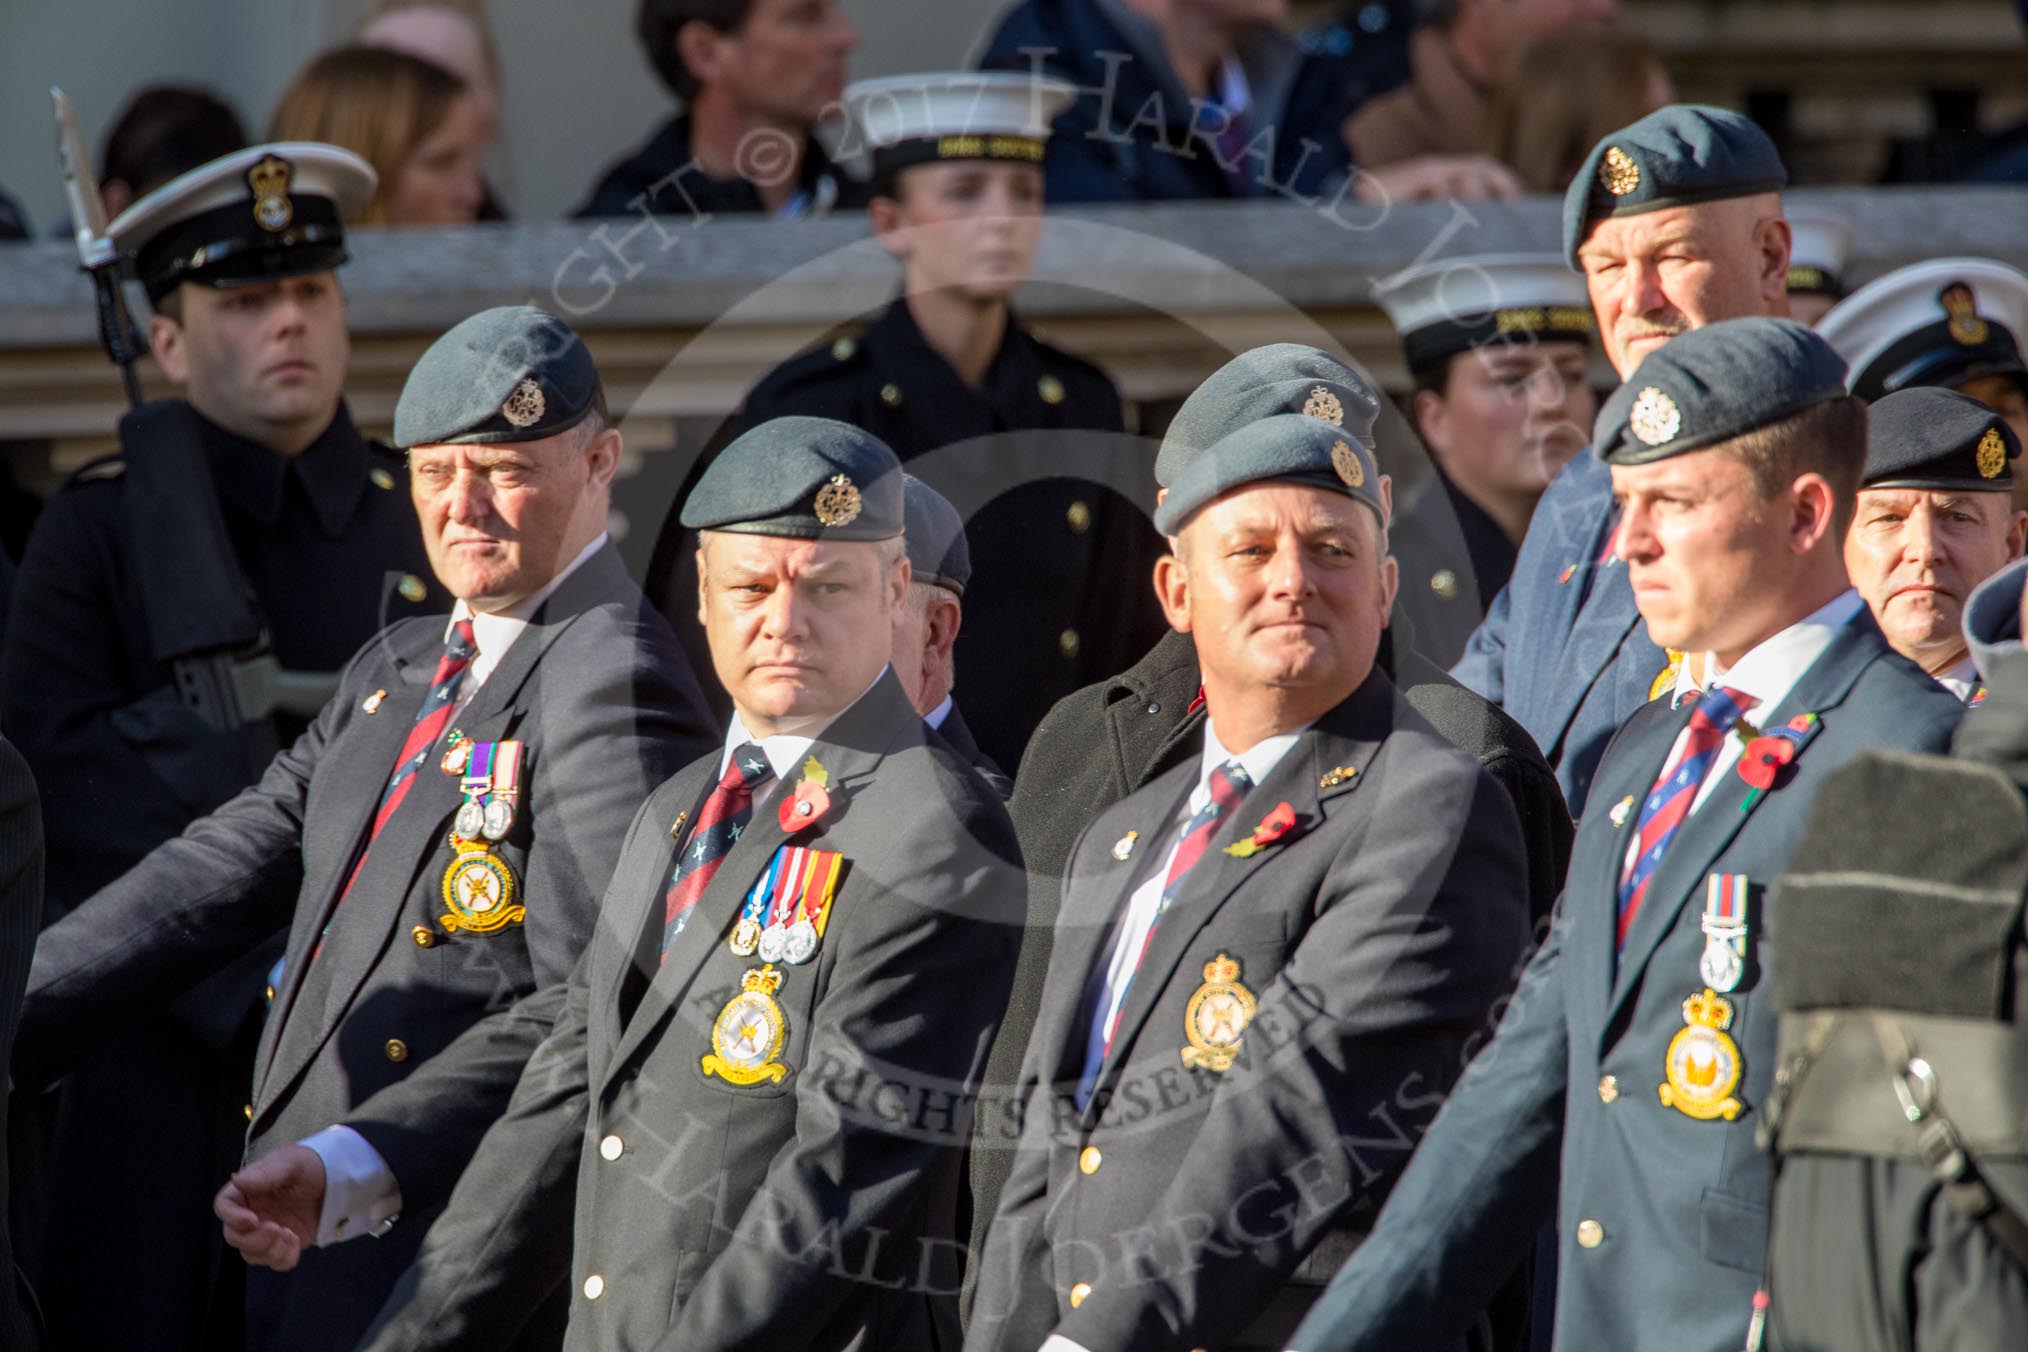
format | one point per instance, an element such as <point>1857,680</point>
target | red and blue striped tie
<point>724,815</point>
<point>1669,802</point>
<point>460,647</point>
<point>1229,784</point>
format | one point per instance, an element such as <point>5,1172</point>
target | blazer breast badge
<point>1216,1017</point>
<point>747,1035</point>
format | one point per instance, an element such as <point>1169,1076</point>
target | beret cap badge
<point>269,179</point>
<point>837,502</point>
<point>1326,405</point>
<point>1617,172</point>
<point>1963,308</point>
<point>1654,417</point>
<point>1992,453</point>
<point>525,405</point>
<point>1347,464</point>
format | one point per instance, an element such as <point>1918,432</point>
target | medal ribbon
<point>788,879</point>
<point>506,771</point>
<point>820,885</point>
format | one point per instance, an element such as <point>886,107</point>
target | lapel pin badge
<point>1123,848</point>
<point>1333,778</point>
<point>1620,811</point>
<point>373,702</point>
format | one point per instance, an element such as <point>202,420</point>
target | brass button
<point>381,478</point>
<point>397,1050</point>
<point>271,994</point>
<point>1590,1234</point>
<point>1078,1293</point>
<point>594,1287</point>
<point>1079,517</point>
<point>423,935</point>
<point>1088,1159</point>
<point>843,348</point>
<point>411,588</point>
<point>611,1147</point>
<point>1444,583</point>
<point>1051,390</point>
<point>249,1112</point>
<point>890,395</point>
<point>1068,641</point>
<point>1608,1088</point>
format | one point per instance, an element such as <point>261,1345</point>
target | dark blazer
<point>20,916</point>
<point>955,731</point>
<point>663,177</point>
<point>1105,741</point>
<point>814,1212</point>
<point>595,689</point>
<point>1374,942</point>
<point>1662,1218</point>
<point>1563,647</point>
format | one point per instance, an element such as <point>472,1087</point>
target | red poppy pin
<point>811,800</point>
<point>1273,828</point>
<point>1762,761</point>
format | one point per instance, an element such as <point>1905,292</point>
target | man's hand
<point>270,1208</point>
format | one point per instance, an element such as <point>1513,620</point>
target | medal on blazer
<point>1216,1017</point>
<point>457,751</point>
<point>491,786</point>
<point>748,1033</point>
<point>479,890</point>
<point>1726,927</point>
<point>1703,1064</point>
<point>786,912</point>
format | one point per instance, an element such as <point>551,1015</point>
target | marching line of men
<point>601,1022</point>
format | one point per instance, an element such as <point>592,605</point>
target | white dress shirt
<point>360,1193</point>
<point>1768,672</point>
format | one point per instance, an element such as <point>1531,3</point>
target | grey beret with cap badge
<point>512,373</point>
<point>1283,448</point>
<point>1676,156</point>
<point>1713,384</point>
<point>1264,382</point>
<point>801,477</point>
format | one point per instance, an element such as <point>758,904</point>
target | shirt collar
<point>935,717</point>
<point>494,632</point>
<point>1771,668</point>
<point>785,750</point>
<point>1962,679</point>
<point>1258,759</point>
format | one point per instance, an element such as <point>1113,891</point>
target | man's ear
<point>602,456</point>
<point>165,340</point>
<point>1816,513</point>
<point>701,49</point>
<point>2017,535</point>
<point>701,583</point>
<point>1172,589</point>
<point>943,620</point>
<point>1774,240</point>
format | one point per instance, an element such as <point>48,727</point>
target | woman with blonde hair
<point>418,125</point>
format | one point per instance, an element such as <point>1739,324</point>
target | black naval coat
<point>1661,1216</point>
<point>810,1209</point>
<point>1108,740</point>
<point>1889,941</point>
<point>1192,1204</point>
<point>597,692</point>
<point>1062,551</point>
<point>20,916</point>
<point>663,178</point>
<point>327,546</point>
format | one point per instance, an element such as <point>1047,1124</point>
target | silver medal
<point>772,941</point>
<point>499,817</point>
<point>800,944</point>
<point>470,821</point>
<point>1720,966</point>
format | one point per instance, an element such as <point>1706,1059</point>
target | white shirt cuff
<point>360,1194</point>
<point>1056,1342</point>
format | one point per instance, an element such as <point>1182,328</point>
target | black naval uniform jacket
<point>598,694</point>
<point>1662,1218</point>
<point>1186,1206</point>
<point>662,177</point>
<point>1059,594</point>
<point>327,544</point>
<point>812,1212</point>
